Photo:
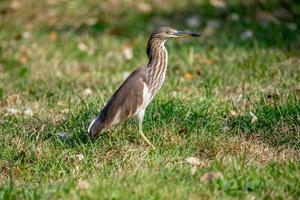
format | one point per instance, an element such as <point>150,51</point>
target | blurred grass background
<point>230,100</point>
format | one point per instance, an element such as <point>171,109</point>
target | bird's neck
<point>157,65</point>
<point>157,53</point>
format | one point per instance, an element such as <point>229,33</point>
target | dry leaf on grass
<point>24,59</point>
<point>193,161</point>
<point>15,4</point>
<point>144,7</point>
<point>188,75</point>
<point>53,36</point>
<point>82,47</point>
<point>218,3</point>
<point>127,52</point>
<point>26,35</point>
<point>87,92</point>
<point>233,113</point>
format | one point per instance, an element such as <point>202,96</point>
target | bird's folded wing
<point>126,101</point>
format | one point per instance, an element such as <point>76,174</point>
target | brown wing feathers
<point>123,104</point>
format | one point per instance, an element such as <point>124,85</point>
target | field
<point>226,123</point>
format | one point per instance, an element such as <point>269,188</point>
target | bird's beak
<point>185,34</point>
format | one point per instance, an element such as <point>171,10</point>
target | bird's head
<point>165,33</point>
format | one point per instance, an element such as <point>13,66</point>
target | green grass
<point>232,103</point>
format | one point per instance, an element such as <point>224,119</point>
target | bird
<point>138,90</point>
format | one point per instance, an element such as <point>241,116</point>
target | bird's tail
<point>96,127</point>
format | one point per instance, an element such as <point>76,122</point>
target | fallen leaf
<point>26,35</point>
<point>61,103</point>
<point>226,128</point>
<point>82,47</point>
<point>65,110</point>
<point>210,176</point>
<point>188,75</point>
<point>24,59</point>
<point>53,36</point>
<point>87,92</point>
<point>15,4</point>
<point>127,52</point>
<point>218,3</point>
<point>144,7</point>
<point>233,113</point>
<point>193,161</point>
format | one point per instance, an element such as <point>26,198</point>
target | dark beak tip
<point>195,35</point>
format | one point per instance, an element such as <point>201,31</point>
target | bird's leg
<point>144,137</point>
<point>140,118</point>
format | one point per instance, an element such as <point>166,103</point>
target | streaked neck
<point>157,53</point>
<point>157,65</point>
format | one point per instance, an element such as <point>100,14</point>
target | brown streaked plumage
<point>137,91</point>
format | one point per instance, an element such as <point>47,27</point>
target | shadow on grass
<point>277,124</point>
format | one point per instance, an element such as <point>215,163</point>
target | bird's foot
<point>146,140</point>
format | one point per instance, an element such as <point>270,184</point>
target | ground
<point>226,123</point>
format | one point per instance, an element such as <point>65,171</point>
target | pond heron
<point>137,91</point>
